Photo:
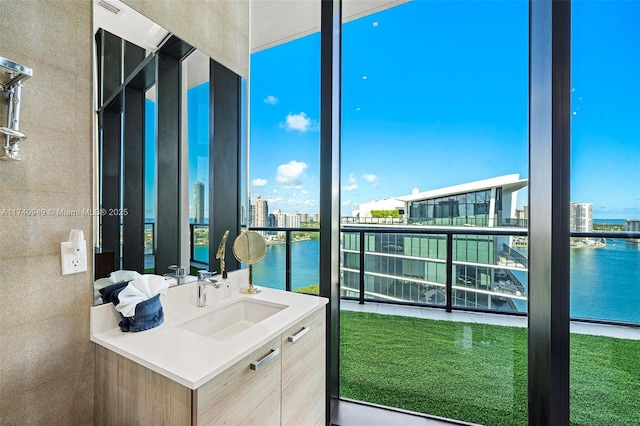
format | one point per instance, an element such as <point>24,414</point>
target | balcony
<point>446,345</point>
<point>472,366</point>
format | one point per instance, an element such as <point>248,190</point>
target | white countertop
<point>189,358</point>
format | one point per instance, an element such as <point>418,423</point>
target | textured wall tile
<point>194,20</point>
<point>48,161</point>
<point>45,403</point>
<point>36,353</point>
<point>43,31</point>
<point>30,235</point>
<point>45,364</point>
<point>34,284</point>
<point>50,98</point>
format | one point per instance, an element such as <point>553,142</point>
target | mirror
<point>145,229</point>
<point>156,165</point>
<point>250,247</point>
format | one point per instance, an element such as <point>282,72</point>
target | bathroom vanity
<point>243,360</point>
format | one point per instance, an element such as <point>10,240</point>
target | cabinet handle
<point>299,334</point>
<point>257,364</point>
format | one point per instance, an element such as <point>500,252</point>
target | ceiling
<point>273,22</point>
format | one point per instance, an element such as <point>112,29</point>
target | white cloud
<point>259,182</point>
<point>299,122</point>
<point>352,183</point>
<point>289,174</point>
<point>372,179</point>
<point>271,100</point>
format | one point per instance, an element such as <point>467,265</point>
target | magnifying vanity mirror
<point>250,247</point>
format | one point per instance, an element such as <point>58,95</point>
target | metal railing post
<point>192,240</point>
<point>449,266</point>
<point>361,292</point>
<point>287,260</point>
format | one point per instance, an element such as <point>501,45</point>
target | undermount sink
<point>230,320</point>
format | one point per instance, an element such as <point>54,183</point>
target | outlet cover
<point>73,261</point>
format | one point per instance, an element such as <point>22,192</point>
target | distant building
<point>316,217</point>
<point>410,267</point>
<point>523,214</point>
<point>631,225</point>
<point>294,220</point>
<point>581,219</point>
<point>261,213</point>
<point>198,202</point>
<point>304,217</point>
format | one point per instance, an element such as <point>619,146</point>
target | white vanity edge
<point>188,358</point>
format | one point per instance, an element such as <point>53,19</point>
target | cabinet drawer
<point>303,371</point>
<point>246,393</point>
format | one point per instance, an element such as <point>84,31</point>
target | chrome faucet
<point>178,273</point>
<point>205,278</point>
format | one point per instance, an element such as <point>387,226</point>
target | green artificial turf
<point>478,372</point>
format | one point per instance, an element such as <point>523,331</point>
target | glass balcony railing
<point>452,268</point>
<point>292,262</point>
<point>463,267</point>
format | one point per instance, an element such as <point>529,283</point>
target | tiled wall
<point>46,359</point>
<point>220,29</point>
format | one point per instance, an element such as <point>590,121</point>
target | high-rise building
<point>294,220</point>
<point>409,267</point>
<point>316,217</point>
<point>581,217</point>
<point>261,212</point>
<point>281,219</point>
<point>304,217</point>
<point>198,202</point>
<point>631,225</point>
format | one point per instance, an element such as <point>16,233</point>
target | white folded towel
<point>120,276</point>
<point>141,288</point>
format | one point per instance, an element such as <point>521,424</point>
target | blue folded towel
<point>149,314</point>
<point>110,292</point>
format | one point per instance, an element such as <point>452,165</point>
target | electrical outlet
<point>73,261</point>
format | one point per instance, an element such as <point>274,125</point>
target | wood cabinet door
<point>304,371</point>
<point>247,393</point>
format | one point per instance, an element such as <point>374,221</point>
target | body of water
<point>605,282</point>
<point>270,272</point>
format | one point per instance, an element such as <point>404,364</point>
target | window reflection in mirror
<point>196,87</point>
<point>150,171</point>
<point>154,158</point>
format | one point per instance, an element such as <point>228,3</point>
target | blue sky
<point>436,94</point>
